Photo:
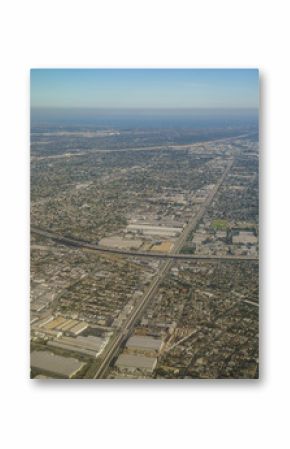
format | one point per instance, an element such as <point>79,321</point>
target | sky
<point>144,88</point>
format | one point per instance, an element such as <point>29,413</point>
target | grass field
<point>219,224</point>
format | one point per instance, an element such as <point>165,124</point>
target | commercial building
<point>130,362</point>
<point>154,230</point>
<point>91,346</point>
<point>55,365</point>
<point>78,328</point>
<point>144,343</point>
<point>61,324</point>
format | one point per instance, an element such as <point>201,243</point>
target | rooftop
<point>55,364</point>
<point>144,342</point>
<point>136,361</point>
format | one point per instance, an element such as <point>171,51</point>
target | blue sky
<point>145,88</point>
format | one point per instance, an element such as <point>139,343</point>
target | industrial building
<point>78,328</point>
<point>130,362</point>
<point>42,321</point>
<point>55,365</point>
<point>154,230</point>
<point>60,324</point>
<point>91,346</point>
<point>144,343</point>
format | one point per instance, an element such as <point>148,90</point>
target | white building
<point>131,362</point>
<point>154,230</point>
<point>144,343</point>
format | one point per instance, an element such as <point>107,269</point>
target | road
<point>79,152</point>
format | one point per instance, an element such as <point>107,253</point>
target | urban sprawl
<point>144,254</point>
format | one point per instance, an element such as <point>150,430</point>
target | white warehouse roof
<point>129,361</point>
<point>148,229</point>
<point>55,364</point>
<point>144,343</point>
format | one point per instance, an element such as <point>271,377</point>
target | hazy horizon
<point>146,117</point>
<point>145,88</point>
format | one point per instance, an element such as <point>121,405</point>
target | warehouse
<point>73,327</point>
<point>55,365</point>
<point>78,328</point>
<point>154,230</point>
<point>144,343</point>
<point>67,325</point>
<point>91,346</point>
<point>131,362</point>
<point>55,323</point>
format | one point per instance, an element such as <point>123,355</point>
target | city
<point>144,259</point>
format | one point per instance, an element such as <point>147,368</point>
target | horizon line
<point>148,108</point>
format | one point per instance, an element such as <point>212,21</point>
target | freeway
<point>172,255</point>
<point>79,152</point>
